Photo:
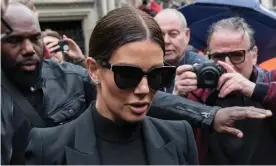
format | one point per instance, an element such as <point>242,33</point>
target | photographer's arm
<point>171,107</point>
<point>178,108</point>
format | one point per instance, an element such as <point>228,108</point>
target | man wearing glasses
<point>231,43</point>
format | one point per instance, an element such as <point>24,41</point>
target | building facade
<point>75,18</point>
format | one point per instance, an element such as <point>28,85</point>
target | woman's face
<point>130,105</point>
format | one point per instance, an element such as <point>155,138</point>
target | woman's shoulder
<point>46,143</point>
<point>172,128</point>
<point>51,132</point>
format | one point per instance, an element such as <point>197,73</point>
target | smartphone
<point>64,46</point>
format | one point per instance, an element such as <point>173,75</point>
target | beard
<point>19,77</point>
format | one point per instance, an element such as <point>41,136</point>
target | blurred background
<point>77,18</point>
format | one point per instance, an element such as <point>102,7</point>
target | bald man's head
<point>172,14</point>
<point>176,34</point>
<point>18,14</point>
<point>22,50</point>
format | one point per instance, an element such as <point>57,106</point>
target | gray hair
<point>233,23</point>
<point>179,14</point>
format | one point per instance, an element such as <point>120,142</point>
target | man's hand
<point>234,82</point>
<point>74,53</point>
<point>225,118</point>
<point>53,46</point>
<point>185,80</point>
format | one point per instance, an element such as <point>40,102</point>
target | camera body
<point>208,74</point>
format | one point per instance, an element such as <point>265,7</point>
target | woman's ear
<point>92,68</point>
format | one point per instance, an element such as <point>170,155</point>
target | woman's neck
<point>103,110</point>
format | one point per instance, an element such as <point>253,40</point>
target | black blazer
<point>74,143</point>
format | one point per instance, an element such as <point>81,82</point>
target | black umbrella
<point>201,14</point>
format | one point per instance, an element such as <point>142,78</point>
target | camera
<point>208,74</point>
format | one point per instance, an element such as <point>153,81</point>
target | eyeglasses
<point>128,76</point>
<point>236,57</point>
<point>8,28</point>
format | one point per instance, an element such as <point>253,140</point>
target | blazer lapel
<point>159,152</point>
<point>84,150</point>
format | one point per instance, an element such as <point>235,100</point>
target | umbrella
<point>202,13</point>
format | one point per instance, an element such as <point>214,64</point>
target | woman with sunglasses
<point>126,63</point>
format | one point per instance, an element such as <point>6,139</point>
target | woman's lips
<point>139,108</point>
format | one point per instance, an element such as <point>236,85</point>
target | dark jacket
<point>68,93</point>
<point>259,135</point>
<point>63,87</point>
<point>166,143</point>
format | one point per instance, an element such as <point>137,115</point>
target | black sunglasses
<point>236,57</point>
<point>8,28</point>
<point>128,76</point>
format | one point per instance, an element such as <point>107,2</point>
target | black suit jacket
<point>166,142</point>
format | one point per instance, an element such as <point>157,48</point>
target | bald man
<point>50,88</point>
<point>177,37</point>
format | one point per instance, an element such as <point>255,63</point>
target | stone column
<point>111,5</point>
<point>267,3</point>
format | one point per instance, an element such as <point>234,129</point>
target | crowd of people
<point>135,99</point>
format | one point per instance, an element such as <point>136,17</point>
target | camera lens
<point>209,77</point>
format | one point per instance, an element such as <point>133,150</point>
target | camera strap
<point>22,102</point>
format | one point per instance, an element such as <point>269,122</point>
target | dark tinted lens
<point>218,56</point>
<point>237,57</point>
<point>127,76</point>
<point>161,77</point>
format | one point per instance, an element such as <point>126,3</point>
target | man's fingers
<point>183,90</point>
<point>268,113</point>
<point>64,36</point>
<point>240,113</point>
<point>53,49</point>
<point>223,79</point>
<point>70,42</point>
<point>186,75</point>
<point>228,87</point>
<point>233,131</point>
<point>53,44</point>
<point>187,82</point>
<point>227,67</point>
<point>183,68</point>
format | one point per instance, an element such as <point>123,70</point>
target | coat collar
<point>159,152</point>
<point>84,150</point>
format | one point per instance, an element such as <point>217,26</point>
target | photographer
<point>63,48</point>
<point>242,83</point>
<point>176,37</point>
